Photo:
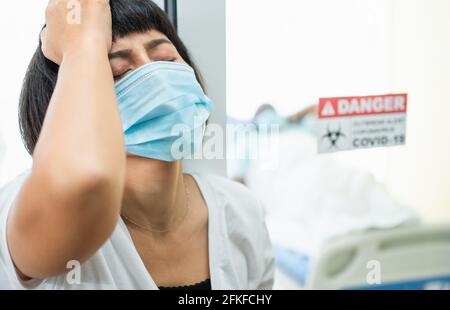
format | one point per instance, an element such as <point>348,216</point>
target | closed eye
<point>121,76</point>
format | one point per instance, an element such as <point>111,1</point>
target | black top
<point>202,286</point>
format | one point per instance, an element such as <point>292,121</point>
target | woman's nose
<point>140,59</point>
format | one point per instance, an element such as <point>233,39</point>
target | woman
<point>106,189</point>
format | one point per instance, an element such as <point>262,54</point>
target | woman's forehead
<point>138,37</point>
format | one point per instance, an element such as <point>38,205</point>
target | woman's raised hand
<point>79,162</point>
<point>73,24</point>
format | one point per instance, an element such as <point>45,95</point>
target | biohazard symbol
<point>334,136</point>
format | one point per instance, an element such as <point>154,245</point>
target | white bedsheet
<point>310,198</point>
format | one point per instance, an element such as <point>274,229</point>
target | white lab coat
<point>240,251</point>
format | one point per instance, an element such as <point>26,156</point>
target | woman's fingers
<point>43,33</point>
<point>44,48</point>
<point>72,24</point>
<point>48,53</point>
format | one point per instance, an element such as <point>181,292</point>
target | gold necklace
<point>187,193</point>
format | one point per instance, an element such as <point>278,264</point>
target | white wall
<point>290,53</point>
<point>159,2</point>
<point>419,174</point>
<point>202,27</point>
<point>20,24</point>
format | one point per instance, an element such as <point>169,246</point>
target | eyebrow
<point>157,42</point>
<point>150,45</point>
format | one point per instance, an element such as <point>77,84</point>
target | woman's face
<point>137,49</point>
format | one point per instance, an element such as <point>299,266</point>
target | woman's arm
<point>301,114</point>
<point>70,204</point>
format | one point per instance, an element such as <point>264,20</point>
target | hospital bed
<point>315,205</point>
<point>412,257</point>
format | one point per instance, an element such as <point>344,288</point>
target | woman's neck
<point>154,196</point>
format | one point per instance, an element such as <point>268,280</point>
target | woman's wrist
<point>91,46</point>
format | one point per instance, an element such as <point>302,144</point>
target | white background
<point>291,52</point>
<point>20,24</point>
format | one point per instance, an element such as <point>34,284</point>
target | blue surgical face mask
<point>163,110</point>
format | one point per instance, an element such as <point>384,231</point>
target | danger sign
<point>349,123</point>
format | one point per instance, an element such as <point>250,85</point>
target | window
<point>289,53</point>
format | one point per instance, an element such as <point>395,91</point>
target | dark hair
<point>128,16</point>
